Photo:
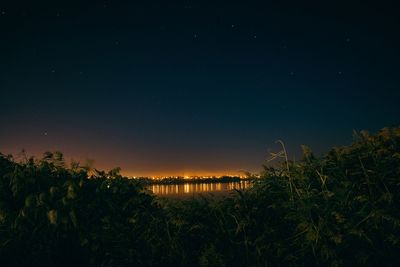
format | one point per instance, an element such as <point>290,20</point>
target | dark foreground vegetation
<point>339,209</point>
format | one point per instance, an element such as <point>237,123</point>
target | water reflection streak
<point>194,188</point>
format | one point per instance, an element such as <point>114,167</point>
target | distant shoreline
<point>199,180</point>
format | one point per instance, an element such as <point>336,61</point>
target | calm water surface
<point>189,189</point>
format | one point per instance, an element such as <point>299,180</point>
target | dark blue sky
<point>173,87</point>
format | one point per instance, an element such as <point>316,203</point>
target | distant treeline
<point>182,180</point>
<point>341,209</point>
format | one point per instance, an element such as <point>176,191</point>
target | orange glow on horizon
<point>144,170</point>
<point>185,175</point>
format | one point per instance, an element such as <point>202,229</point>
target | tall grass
<point>341,209</point>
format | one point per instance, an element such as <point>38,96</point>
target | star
<point>45,133</point>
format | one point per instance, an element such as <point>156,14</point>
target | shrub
<point>341,209</point>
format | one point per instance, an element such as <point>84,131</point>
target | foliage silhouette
<point>341,209</point>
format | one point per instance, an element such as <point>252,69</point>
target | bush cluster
<point>340,209</point>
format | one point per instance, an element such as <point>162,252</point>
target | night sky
<point>194,87</point>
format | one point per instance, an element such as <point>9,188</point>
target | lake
<point>191,189</point>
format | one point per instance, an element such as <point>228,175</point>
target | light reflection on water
<point>194,188</point>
